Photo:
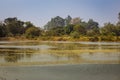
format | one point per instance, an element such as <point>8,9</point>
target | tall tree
<point>15,26</point>
<point>92,24</point>
<point>92,28</point>
<point>68,20</point>
<point>119,16</point>
<point>118,26</point>
<point>118,23</point>
<point>108,29</point>
<point>55,22</point>
<point>28,25</point>
<point>68,29</point>
<point>3,30</point>
<point>80,29</point>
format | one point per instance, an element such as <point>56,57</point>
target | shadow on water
<point>10,57</point>
<point>13,56</point>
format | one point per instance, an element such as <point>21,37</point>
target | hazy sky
<point>40,12</point>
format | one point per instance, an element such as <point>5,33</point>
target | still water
<point>51,52</point>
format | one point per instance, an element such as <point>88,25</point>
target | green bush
<point>32,32</point>
<point>75,34</point>
<point>95,38</point>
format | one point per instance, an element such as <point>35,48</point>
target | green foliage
<point>28,25</point>
<point>55,22</point>
<point>117,31</point>
<point>32,32</point>
<point>80,29</point>
<point>76,27</point>
<point>93,32</point>
<point>58,31</point>
<point>108,29</point>
<point>94,38</point>
<point>108,38</point>
<point>67,20</point>
<point>68,29</point>
<point>119,16</point>
<point>75,34</point>
<point>91,24</point>
<point>110,32</point>
<point>57,27</point>
<point>3,30</point>
<point>14,26</point>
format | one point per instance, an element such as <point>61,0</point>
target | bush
<point>32,32</point>
<point>95,38</point>
<point>75,34</point>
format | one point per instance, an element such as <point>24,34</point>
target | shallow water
<point>58,52</point>
<point>62,72</point>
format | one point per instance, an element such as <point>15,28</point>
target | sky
<point>39,12</point>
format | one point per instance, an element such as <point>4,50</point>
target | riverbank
<point>63,38</point>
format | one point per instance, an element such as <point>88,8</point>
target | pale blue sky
<point>41,11</point>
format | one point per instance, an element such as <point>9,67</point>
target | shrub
<point>75,34</point>
<point>32,32</point>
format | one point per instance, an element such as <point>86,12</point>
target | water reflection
<point>101,56</point>
<point>13,57</point>
<point>15,52</point>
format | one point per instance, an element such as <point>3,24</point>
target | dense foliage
<point>32,32</point>
<point>14,27</point>
<point>58,26</point>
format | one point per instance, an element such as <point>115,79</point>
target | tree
<point>3,30</point>
<point>14,26</point>
<point>92,28</point>
<point>80,29</point>
<point>108,29</point>
<point>68,20</point>
<point>32,32</point>
<point>117,31</point>
<point>92,24</point>
<point>55,22</point>
<point>118,26</point>
<point>110,32</point>
<point>47,26</point>
<point>84,24</point>
<point>10,20</point>
<point>28,24</point>
<point>118,23</point>
<point>58,31</point>
<point>119,16</point>
<point>93,32</point>
<point>75,34</point>
<point>68,29</point>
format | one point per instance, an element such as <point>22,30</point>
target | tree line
<point>77,28</point>
<point>12,27</point>
<point>58,26</point>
